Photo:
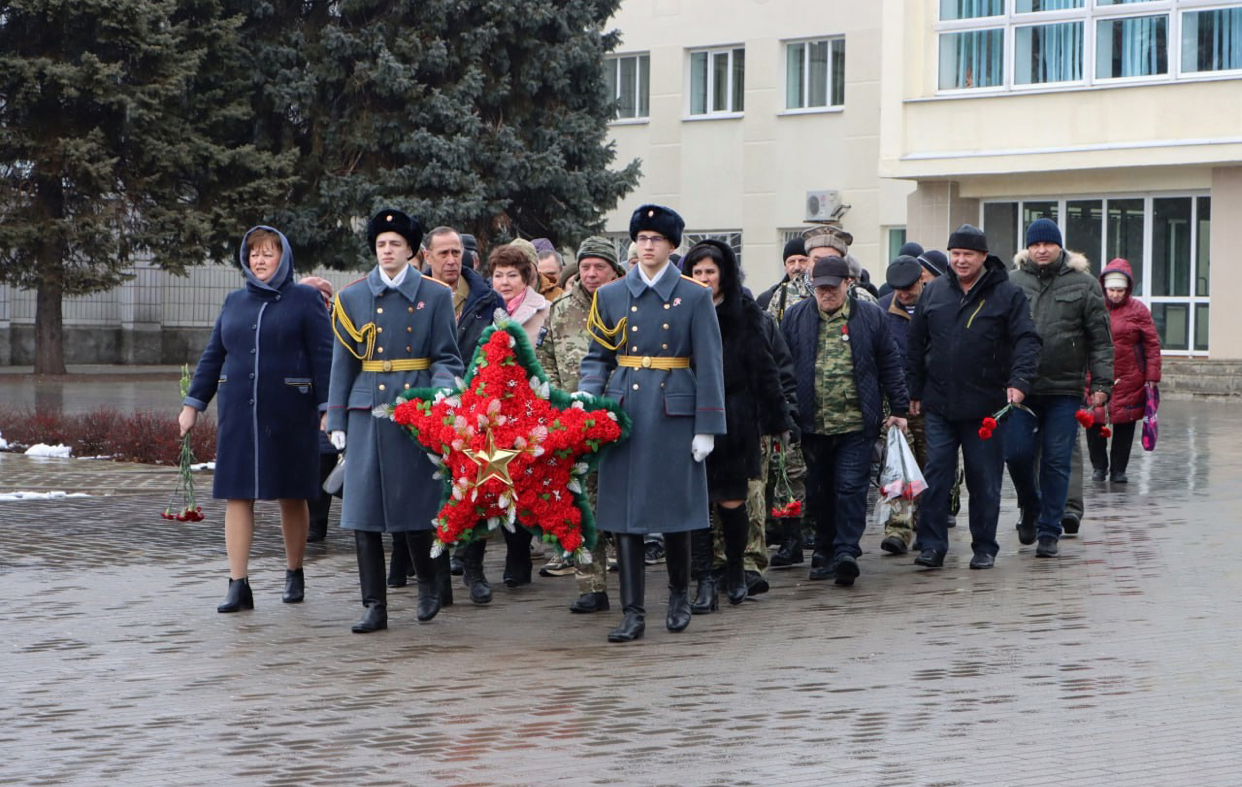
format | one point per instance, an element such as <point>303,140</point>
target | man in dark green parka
<point>1068,308</point>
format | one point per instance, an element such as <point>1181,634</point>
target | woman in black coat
<point>754,406</point>
<point>268,359</point>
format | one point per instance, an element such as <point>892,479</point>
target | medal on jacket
<point>845,332</point>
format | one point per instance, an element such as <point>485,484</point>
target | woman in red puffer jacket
<point>1136,362</point>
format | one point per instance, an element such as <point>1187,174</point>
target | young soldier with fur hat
<point>657,351</point>
<point>395,331</point>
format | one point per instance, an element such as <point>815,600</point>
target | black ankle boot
<point>237,597</point>
<point>677,563</point>
<point>427,569</point>
<point>790,552</point>
<point>472,573</point>
<point>295,586</point>
<point>632,572</point>
<point>374,618</point>
<point>706,598</point>
<point>735,525</point>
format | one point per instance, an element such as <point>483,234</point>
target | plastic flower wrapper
<point>184,490</point>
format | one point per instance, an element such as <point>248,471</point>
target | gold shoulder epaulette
<point>696,281</point>
<point>443,284</point>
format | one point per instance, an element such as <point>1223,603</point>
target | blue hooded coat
<point>268,359</point>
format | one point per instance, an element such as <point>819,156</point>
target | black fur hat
<point>393,220</point>
<point>657,218</point>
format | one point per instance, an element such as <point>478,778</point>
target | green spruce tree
<point>126,127</point>
<point>487,115</point>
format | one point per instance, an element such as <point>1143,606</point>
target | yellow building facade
<point>1121,121</point>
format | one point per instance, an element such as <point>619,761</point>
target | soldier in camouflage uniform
<point>563,343</point>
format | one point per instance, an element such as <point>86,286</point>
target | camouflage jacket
<point>563,342</point>
<point>788,294</point>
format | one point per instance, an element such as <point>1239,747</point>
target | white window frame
<point>1090,14</point>
<point>1192,300</point>
<point>614,61</point>
<point>711,53</point>
<point>831,77</point>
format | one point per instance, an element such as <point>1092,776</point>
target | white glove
<point>338,440</point>
<point>702,445</point>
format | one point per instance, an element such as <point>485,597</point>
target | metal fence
<point>151,296</point>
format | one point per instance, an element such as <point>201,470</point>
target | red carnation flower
<point>985,433</point>
<point>989,423</point>
<point>1084,417</point>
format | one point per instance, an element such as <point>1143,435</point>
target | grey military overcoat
<point>388,483</point>
<point>651,483</point>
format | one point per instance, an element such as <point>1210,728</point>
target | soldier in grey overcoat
<point>395,330</point>
<point>657,352</point>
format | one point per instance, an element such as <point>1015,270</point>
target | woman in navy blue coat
<point>268,359</point>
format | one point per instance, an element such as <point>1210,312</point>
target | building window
<point>1165,239</point>
<point>629,83</point>
<point>896,239</point>
<point>970,9</point>
<point>1029,44</point>
<point>815,74</point>
<point>1048,53</point>
<point>732,238</point>
<point>1135,47</point>
<point>1212,40</point>
<point>972,59</point>
<point>717,81</point>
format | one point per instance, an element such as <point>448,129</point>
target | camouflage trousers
<point>593,577</point>
<point>758,498</point>
<point>795,469</point>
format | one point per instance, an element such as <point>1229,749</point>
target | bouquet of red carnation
<point>190,511</point>
<point>989,425</point>
<point>1097,415</point>
<point>782,489</point>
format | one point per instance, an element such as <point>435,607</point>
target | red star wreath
<point>511,449</point>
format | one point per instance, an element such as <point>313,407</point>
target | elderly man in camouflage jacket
<point>563,343</point>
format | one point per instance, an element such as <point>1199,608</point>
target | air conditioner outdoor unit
<point>822,205</point>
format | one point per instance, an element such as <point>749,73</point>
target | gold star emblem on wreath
<point>493,462</point>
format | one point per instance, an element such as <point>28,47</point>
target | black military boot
<point>237,597</point>
<point>444,577</point>
<point>677,562</point>
<point>427,568</point>
<point>370,548</point>
<point>472,572</point>
<point>518,565</point>
<point>790,552</point>
<point>735,526</point>
<point>632,572</point>
<point>706,596</point>
<point>399,567</point>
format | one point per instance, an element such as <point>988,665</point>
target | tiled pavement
<point>1116,664</point>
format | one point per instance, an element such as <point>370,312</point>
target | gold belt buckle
<point>388,366</point>
<point>646,361</point>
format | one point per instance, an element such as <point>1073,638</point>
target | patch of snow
<point>198,468</point>
<point>43,449</point>
<point>4,444</point>
<point>7,496</point>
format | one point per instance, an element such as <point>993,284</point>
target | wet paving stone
<point>1115,664</point>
